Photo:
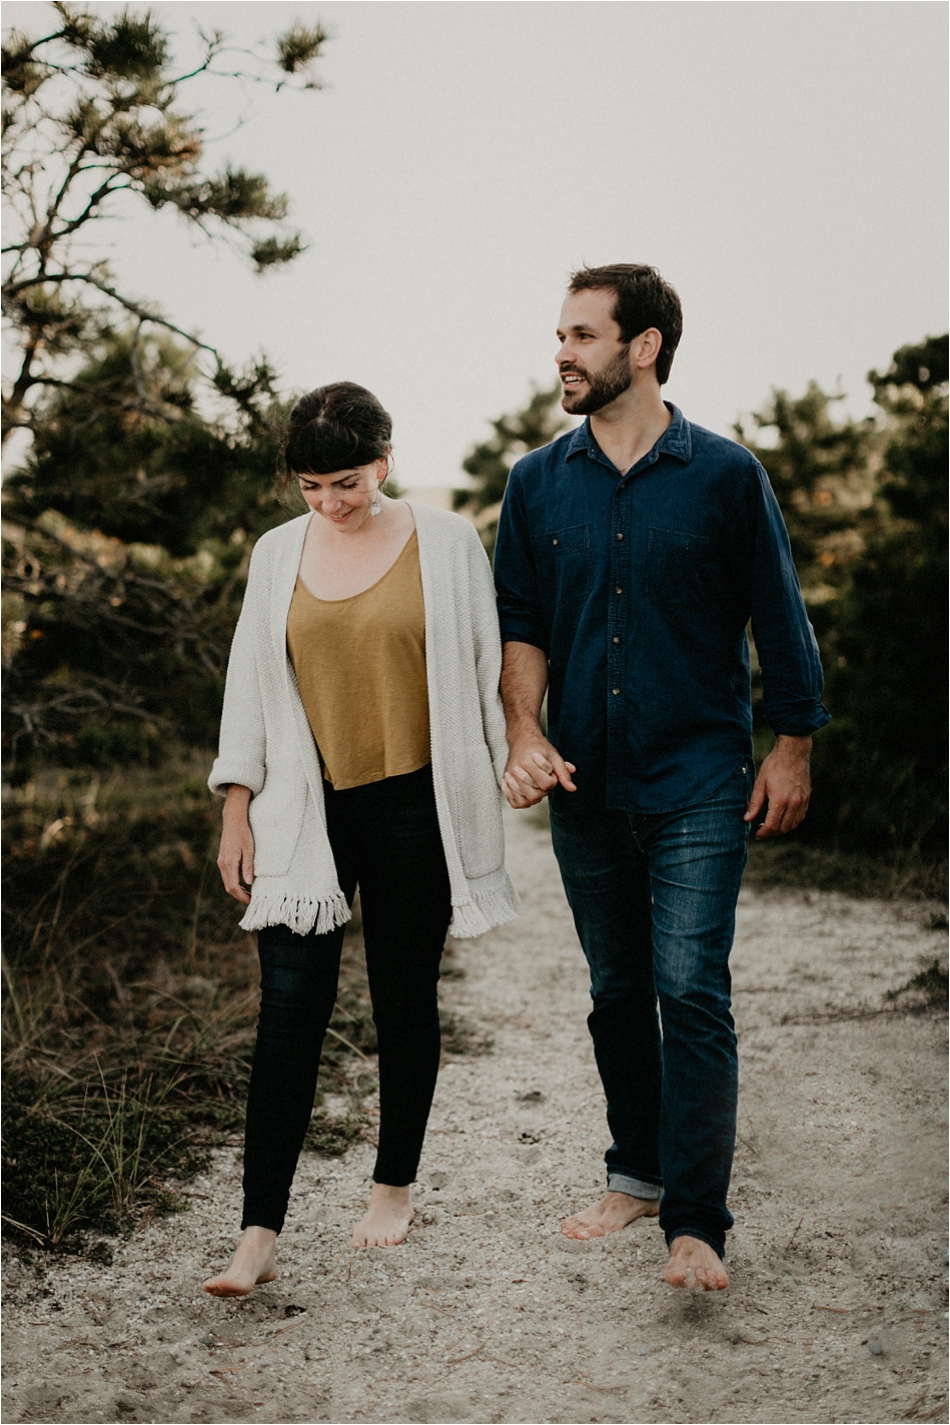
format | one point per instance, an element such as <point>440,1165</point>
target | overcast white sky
<point>783,164</point>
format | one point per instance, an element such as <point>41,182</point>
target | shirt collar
<point>676,440</point>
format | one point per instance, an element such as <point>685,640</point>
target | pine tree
<point>489,463</point>
<point>866,507</point>
<point>127,527</point>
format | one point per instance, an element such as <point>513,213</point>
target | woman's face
<point>344,498</point>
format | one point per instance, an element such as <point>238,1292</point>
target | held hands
<point>784,783</point>
<point>236,854</point>
<point>534,767</point>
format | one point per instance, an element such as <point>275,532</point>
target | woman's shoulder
<point>281,537</point>
<point>443,526</point>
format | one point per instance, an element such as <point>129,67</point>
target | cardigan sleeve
<point>487,642</point>
<point>242,741</point>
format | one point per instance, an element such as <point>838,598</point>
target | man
<point>631,555</point>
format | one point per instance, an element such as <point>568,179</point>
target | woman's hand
<point>534,768</point>
<point>236,854</point>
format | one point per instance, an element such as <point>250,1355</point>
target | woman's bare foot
<point>694,1265</point>
<point>254,1262</point>
<point>614,1211</point>
<point>387,1219</point>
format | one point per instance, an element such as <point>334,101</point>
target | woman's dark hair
<point>335,428</point>
<point>641,299</point>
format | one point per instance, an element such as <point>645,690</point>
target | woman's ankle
<point>391,1191</point>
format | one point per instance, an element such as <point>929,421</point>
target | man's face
<point>593,362</point>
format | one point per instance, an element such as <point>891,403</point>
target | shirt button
<point>556,541</point>
<point>620,536</point>
<point>616,692</point>
<point>617,640</point>
<point>618,590</point>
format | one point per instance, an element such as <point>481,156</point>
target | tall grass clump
<point>130,1001</point>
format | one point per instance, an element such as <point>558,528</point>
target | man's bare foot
<point>614,1211</point>
<point>254,1262</point>
<point>388,1218</point>
<point>694,1265</point>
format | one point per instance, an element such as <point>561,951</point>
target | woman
<point>362,743</point>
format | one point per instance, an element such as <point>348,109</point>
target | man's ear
<point>645,348</point>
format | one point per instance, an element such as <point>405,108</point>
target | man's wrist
<point>788,746</point>
<point>524,729</point>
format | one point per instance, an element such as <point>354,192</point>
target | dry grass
<point>129,1005</point>
<point>790,862</point>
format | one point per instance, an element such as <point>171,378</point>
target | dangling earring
<point>376,508</point>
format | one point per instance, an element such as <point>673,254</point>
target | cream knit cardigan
<point>266,742</point>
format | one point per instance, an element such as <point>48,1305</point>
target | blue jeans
<point>653,899</point>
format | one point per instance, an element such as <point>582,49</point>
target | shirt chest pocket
<point>681,568</point>
<point>562,560</point>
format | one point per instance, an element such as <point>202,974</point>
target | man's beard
<point>602,388</point>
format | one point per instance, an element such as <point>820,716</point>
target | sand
<point>836,1310</point>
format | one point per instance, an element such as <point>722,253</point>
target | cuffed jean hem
<point>718,1247</point>
<point>634,1187</point>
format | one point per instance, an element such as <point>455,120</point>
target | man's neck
<point>630,427</point>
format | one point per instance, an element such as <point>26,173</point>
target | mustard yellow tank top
<point>360,665</point>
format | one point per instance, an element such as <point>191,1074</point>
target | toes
<point>696,1278</point>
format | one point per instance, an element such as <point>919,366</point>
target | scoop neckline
<point>350,597</point>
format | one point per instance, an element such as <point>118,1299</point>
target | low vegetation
<point>130,1006</point>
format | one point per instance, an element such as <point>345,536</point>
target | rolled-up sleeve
<point>784,639</point>
<point>520,614</point>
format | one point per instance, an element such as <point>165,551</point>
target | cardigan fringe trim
<point>484,909</point>
<point>302,914</point>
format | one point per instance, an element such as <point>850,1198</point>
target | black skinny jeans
<point>385,838</point>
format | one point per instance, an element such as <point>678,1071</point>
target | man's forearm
<point>524,681</point>
<point>534,766</point>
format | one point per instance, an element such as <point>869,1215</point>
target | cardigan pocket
<point>276,816</point>
<point>476,815</point>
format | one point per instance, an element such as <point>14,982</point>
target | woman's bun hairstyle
<point>336,428</point>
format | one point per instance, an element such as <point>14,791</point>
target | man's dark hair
<point>336,428</point>
<point>643,300</point>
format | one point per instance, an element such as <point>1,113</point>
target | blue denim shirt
<point>639,588</point>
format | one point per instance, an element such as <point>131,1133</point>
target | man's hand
<point>534,767</point>
<point>784,781</point>
<point>236,854</point>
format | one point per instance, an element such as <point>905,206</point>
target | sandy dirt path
<point>836,1309</point>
